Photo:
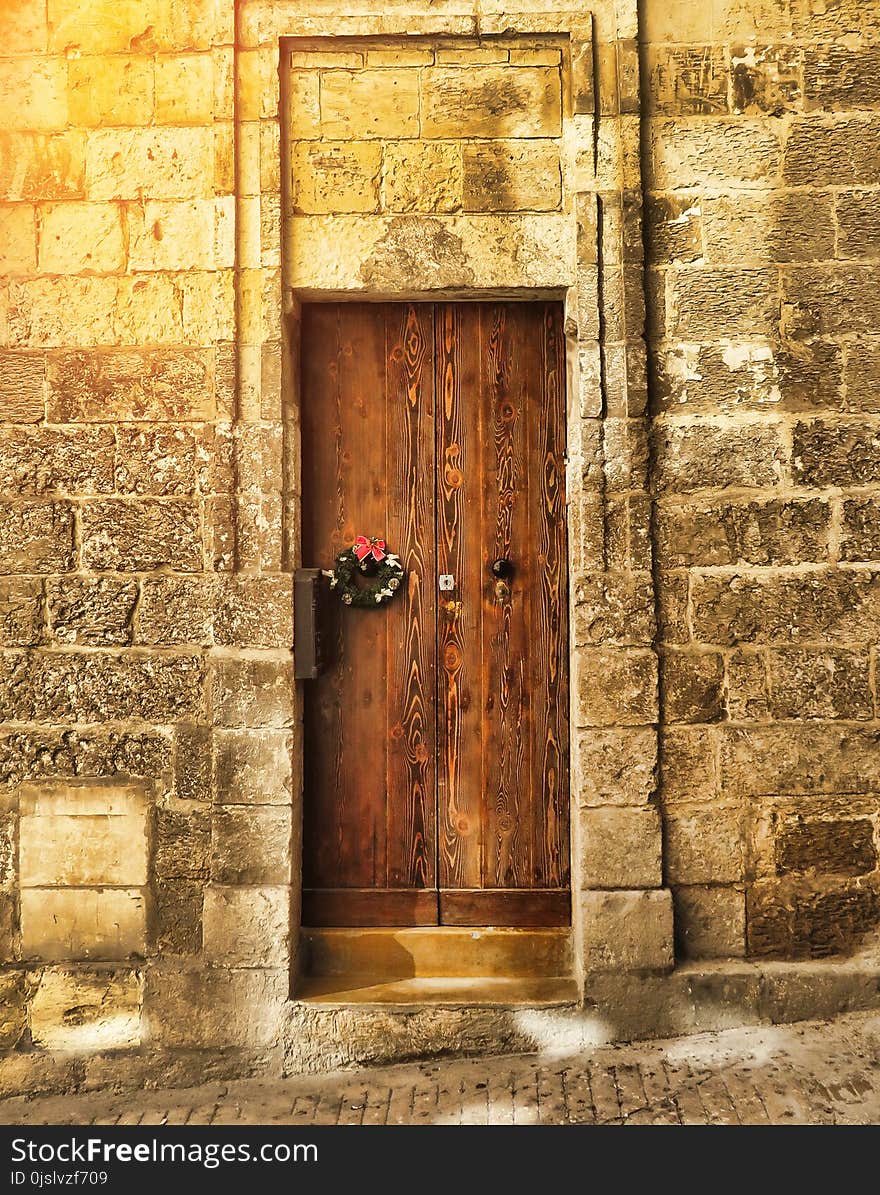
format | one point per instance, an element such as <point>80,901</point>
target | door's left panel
<point>369,849</point>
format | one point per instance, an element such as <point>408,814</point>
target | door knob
<point>452,608</point>
<point>502,568</point>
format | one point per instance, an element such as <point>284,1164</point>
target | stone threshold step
<point>434,952</point>
<point>446,990</point>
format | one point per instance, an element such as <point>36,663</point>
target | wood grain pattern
<point>437,739</point>
<point>368,441</point>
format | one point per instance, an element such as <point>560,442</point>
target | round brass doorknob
<point>452,607</point>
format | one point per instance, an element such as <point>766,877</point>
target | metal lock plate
<point>447,582</point>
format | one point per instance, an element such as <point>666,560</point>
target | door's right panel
<point>502,642</point>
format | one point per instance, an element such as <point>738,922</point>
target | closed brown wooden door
<point>436,739</point>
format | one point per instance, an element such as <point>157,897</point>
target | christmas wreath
<point>366,557</point>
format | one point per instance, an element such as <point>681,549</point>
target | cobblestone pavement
<point>810,1073</point>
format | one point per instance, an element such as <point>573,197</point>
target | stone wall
<point>145,855</point>
<point>763,235</point>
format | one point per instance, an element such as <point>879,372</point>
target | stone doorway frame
<point>621,914</point>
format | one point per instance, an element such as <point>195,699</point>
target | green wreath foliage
<point>386,581</point>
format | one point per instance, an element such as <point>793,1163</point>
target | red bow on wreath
<point>374,547</point>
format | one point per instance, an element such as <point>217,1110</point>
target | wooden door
<point>436,740</point>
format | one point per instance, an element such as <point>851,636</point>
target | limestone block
<point>253,692</point>
<point>21,619</point>
<point>304,105</point>
<point>43,752</point>
<point>127,384</point>
<point>176,610</point>
<point>422,176</point>
<point>23,28</point>
<point>36,537</point>
<point>207,302</point>
<point>185,89</point>
<point>164,163</point>
<point>800,759</point>
<point>491,101</point>
<point>18,240</point>
<point>253,767</point>
<point>839,846</point>
<point>141,535</point>
<point>703,845</point>
<point>96,612</point>
<point>692,456</point>
<point>819,606</point>
<point>255,612</point>
<point>335,176</point>
<point>616,766</point>
<point>673,227</point>
<point>251,845</point>
<point>710,922</point>
<point>858,224</point>
<point>400,57</point>
<point>247,927</point>
<point>691,686</point>
<point>400,253</point>
<point>774,227</point>
<point>627,931</point>
<point>795,918</point>
<point>155,460</point>
<point>150,309</point>
<point>183,844</point>
<point>34,93</point>
<point>687,80</point>
<point>820,154</point>
<point>369,103</point>
<point>86,1011</point>
<point>110,90</point>
<point>711,532</point>
<point>511,176</point>
<point>178,917</point>
<point>82,923</point>
<point>833,299</point>
<point>694,152</point>
<point>860,535</point>
<point>724,302</point>
<point>171,235</point>
<point>616,686</point>
<point>672,590</point>
<point>620,848</point>
<point>820,684</point>
<point>748,687</point>
<point>765,79</point>
<point>16,990</point>
<point>688,765</point>
<point>614,607</point>
<point>836,453</point>
<point>76,836</point>
<point>43,460</point>
<point>75,687</point>
<point>626,453</point>
<point>236,1007</point>
<point>838,78</point>
<point>22,386</point>
<point>42,165</point>
<point>193,772</point>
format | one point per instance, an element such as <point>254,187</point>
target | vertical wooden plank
<point>344,466</point>
<point>509,377</point>
<point>368,464</point>
<point>459,781</point>
<point>549,612</point>
<point>411,702</point>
